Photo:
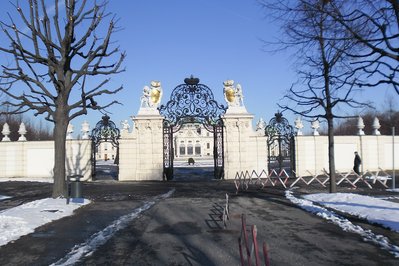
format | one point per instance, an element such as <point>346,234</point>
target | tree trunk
<point>333,184</point>
<point>60,128</point>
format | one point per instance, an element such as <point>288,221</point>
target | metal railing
<point>244,179</point>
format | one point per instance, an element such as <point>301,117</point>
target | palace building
<point>193,140</point>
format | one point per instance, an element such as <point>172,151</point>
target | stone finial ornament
<point>22,131</point>
<point>261,126</point>
<point>125,126</point>
<point>376,127</point>
<point>85,130</point>
<point>6,132</point>
<point>360,126</point>
<point>298,126</point>
<point>69,131</point>
<point>315,126</point>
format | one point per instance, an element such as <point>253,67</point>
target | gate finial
<point>191,80</point>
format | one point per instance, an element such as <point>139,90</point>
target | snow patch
<point>347,200</point>
<point>24,219</point>
<point>2,197</point>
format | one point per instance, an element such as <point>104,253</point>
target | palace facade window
<point>182,150</point>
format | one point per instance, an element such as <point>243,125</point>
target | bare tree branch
<point>375,27</point>
<point>53,60</point>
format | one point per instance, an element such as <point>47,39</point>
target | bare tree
<point>374,25</point>
<point>327,81</point>
<point>54,57</point>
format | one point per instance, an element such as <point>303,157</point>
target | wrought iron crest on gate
<point>192,102</point>
<point>105,131</point>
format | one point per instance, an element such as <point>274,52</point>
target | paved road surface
<point>186,229</point>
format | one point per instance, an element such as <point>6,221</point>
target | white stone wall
<point>311,153</point>
<point>79,158</point>
<point>36,158</point>
<point>140,152</point>
<point>244,150</point>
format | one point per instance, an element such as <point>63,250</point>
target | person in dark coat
<point>356,163</point>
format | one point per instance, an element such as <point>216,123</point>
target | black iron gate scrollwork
<point>105,131</point>
<point>279,142</point>
<point>192,102</point>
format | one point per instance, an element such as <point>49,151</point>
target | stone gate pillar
<point>244,149</point>
<point>141,151</point>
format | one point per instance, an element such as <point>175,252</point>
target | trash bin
<point>75,189</point>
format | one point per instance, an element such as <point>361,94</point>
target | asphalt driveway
<point>187,228</point>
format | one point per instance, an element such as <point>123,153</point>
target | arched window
<point>190,149</point>
<point>197,149</point>
<point>182,149</point>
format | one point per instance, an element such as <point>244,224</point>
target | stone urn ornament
<point>298,126</point>
<point>22,131</point>
<point>315,126</point>
<point>85,130</point>
<point>6,132</point>
<point>376,127</point>
<point>360,126</point>
<point>69,131</point>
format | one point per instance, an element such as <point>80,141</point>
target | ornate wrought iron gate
<point>192,102</point>
<point>279,142</point>
<point>218,151</point>
<point>105,131</point>
<point>168,151</point>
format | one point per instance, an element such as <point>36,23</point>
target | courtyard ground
<point>186,228</point>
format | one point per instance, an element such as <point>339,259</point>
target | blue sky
<point>212,40</point>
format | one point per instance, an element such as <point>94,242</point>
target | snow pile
<point>352,204</point>
<point>374,210</point>
<point>22,220</point>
